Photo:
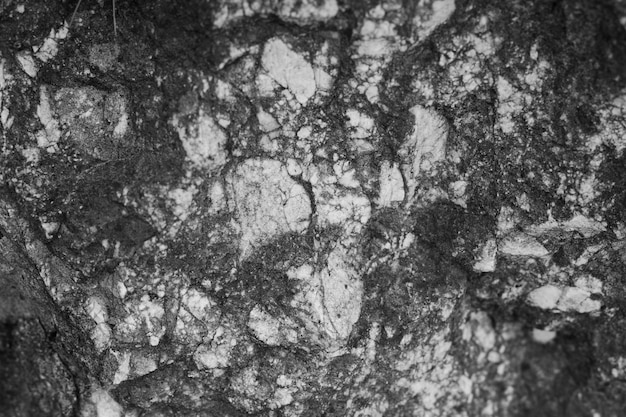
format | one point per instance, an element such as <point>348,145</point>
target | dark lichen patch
<point>453,231</point>
<point>20,31</point>
<point>398,293</point>
<point>559,371</point>
<point>100,235</point>
<point>39,344</point>
<point>172,388</point>
<point>262,279</point>
<point>23,387</point>
<point>613,193</point>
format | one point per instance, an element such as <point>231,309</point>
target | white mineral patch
<point>372,94</point>
<point>343,291</point>
<point>511,102</point>
<point>49,48</point>
<point>267,123</point>
<point>121,126</point>
<point>566,299</point>
<point>430,368</point>
<point>271,330</point>
<point>218,196</point>
<point>323,80</point>
<point>264,326</point>
<point>441,11</point>
<point>534,52</point>
<point>425,147</point>
<point>96,309</point>
<point>584,258</point>
<point>103,405</point>
<point>360,146</point>
<point>123,366</point>
<point>4,77</point>
<point>27,63</point>
<point>376,28</point>
<point>578,300</point>
<point>196,317</point>
<point>589,283</point>
<point>306,10</point>
<point>584,225</point>
<point>282,397</point>
<point>6,120</point>
<point>482,330</point>
<point>267,202</point>
<point>507,219</point>
<point>330,299</point>
<point>299,11</point>
<point>345,174</point>
<point>204,143</point>
<point>457,191</point>
<point>101,336</point>
<point>545,297</point>
<point>305,132</point>
<point>215,354</point>
<point>143,365</point>
<point>375,48</point>
<point>224,91</point>
<point>521,244</point>
<point>391,184</point>
<point>339,207</point>
<point>50,228</point>
<point>182,200</point>
<point>294,168</point>
<point>49,137</point>
<point>362,124</point>
<point>199,305</point>
<point>487,260</point>
<point>266,85</point>
<point>543,336</point>
<point>356,118</point>
<point>144,319</point>
<point>372,338</point>
<point>290,69</point>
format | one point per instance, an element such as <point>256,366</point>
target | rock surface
<point>313,208</point>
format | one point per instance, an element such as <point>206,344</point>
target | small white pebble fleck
<point>545,297</point>
<point>543,336</point>
<point>293,167</point>
<point>304,132</point>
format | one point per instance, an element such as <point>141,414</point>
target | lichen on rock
<point>312,207</point>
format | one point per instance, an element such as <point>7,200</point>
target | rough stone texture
<point>313,208</point>
<point>46,358</point>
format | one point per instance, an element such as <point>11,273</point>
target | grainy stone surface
<point>313,208</point>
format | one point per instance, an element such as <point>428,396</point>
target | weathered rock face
<point>313,208</point>
<point>45,357</point>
